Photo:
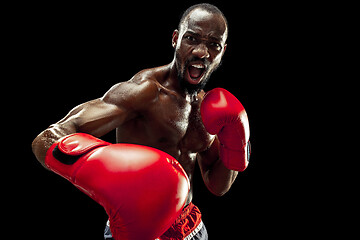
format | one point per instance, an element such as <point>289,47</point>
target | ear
<point>224,48</point>
<point>175,37</point>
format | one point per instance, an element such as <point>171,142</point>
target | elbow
<point>219,194</point>
<point>217,191</point>
<point>215,185</point>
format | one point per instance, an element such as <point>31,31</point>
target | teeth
<point>197,66</point>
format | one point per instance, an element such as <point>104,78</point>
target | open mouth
<point>195,72</point>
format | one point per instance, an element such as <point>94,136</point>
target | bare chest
<point>170,124</point>
<point>178,124</point>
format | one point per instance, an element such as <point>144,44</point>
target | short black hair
<point>205,6</point>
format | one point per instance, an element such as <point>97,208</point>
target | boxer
<point>165,108</point>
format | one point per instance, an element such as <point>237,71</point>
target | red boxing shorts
<point>188,226</point>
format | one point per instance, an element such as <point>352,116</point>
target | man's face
<point>199,47</point>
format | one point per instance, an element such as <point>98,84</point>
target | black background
<point>65,54</point>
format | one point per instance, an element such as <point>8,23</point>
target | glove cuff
<point>63,156</point>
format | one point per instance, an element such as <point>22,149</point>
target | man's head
<point>199,43</point>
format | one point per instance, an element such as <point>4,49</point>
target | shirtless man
<point>160,107</point>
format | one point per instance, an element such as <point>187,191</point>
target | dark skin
<point>153,108</point>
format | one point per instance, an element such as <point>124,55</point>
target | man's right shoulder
<point>142,88</point>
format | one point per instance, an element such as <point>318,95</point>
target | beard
<point>191,88</point>
<point>184,84</point>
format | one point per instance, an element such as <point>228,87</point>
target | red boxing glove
<point>142,189</point>
<point>224,115</point>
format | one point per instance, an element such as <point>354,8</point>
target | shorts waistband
<point>187,225</point>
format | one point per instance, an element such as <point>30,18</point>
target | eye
<point>216,46</point>
<point>190,38</point>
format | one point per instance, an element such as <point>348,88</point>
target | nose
<point>201,51</point>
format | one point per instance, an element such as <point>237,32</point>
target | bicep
<point>120,104</point>
<point>96,117</point>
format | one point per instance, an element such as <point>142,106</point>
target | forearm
<point>49,136</point>
<point>94,117</point>
<point>219,179</point>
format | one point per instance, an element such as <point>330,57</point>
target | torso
<point>172,124</point>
